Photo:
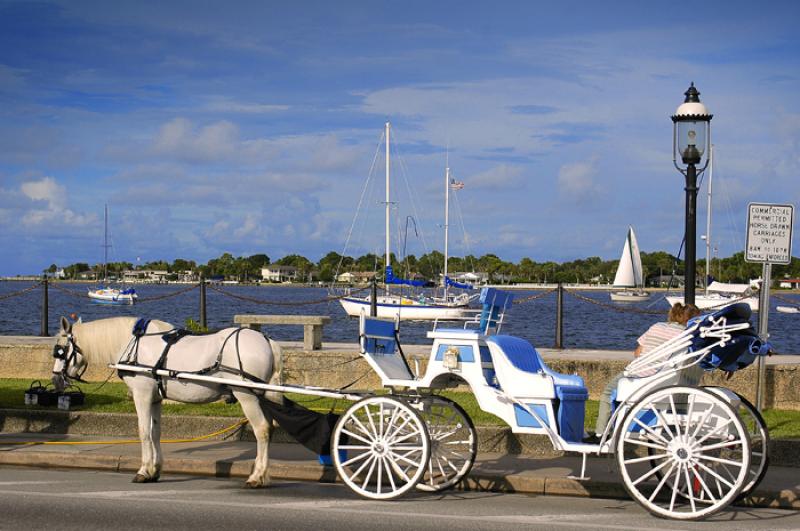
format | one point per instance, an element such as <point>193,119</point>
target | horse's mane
<point>102,341</point>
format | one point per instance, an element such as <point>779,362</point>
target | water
<point>586,325</point>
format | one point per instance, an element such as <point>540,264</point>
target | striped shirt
<point>657,335</point>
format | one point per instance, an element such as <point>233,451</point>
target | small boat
<point>719,294</point>
<point>788,309</point>
<point>113,295</point>
<point>105,294</point>
<point>629,273</point>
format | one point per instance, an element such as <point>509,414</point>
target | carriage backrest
<point>495,302</point>
<point>379,343</point>
<point>739,350</point>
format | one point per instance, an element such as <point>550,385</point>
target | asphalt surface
<point>92,500</point>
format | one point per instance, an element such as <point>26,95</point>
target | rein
<point>69,357</point>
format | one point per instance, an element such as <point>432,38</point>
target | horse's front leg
<point>262,425</point>
<point>158,457</point>
<point>145,396</point>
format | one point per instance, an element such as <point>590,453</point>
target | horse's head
<point>70,363</point>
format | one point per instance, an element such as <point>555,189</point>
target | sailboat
<point>718,294</point>
<point>399,306</point>
<point>629,273</point>
<point>105,294</point>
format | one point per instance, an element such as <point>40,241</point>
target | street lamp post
<point>691,133</point>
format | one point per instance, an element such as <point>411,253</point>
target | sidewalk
<point>492,471</point>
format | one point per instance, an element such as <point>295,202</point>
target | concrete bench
<point>312,325</point>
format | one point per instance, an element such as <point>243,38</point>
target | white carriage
<point>683,452</point>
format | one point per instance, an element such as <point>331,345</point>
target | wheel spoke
<point>714,431</point>
<point>662,482</point>
<point>370,434</point>
<point>675,416</point>
<point>356,458</point>
<point>647,444</point>
<point>369,473</point>
<point>720,478</point>
<point>646,458</point>
<point>389,473</point>
<point>719,460</point>
<point>660,417</point>
<point>702,421</point>
<point>675,487</point>
<point>354,436</point>
<point>363,466</point>
<point>705,487</point>
<point>726,444</point>
<point>689,488</point>
<point>651,472</point>
<point>652,432</point>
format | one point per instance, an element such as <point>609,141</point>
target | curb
<point>511,483</point>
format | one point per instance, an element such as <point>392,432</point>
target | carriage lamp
<point>691,133</point>
<point>450,359</point>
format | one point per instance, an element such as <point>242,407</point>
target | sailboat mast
<point>631,251</point>
<point>446,222</point>
<point>388,204</point>
<point>708,214</point>
<point>105,243</point>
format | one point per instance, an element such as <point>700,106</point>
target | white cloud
<point>576,180</point>
<point>180,139</point>
<point>54,195</point>
<point>499,177</point>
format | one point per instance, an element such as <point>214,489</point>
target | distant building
<point>356,277</point>
<point>279,273</point>
<point>470,277</point>
<point>145,275</point>
<point>790,283</point>
<point>663,281</point>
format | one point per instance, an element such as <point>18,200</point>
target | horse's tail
<point>277,367</point>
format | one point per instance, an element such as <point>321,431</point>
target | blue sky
<point>250,127</point>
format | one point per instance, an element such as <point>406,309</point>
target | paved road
<point>85,500</point>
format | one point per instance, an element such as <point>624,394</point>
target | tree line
<point>430,266</point>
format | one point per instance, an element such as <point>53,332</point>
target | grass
<point>113,398</point>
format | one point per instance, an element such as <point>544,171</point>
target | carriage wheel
<point>759,444</point>
<point>454,443</point>
<point>683,453</point>
<point>381,447</point>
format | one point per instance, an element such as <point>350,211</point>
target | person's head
<point>675,313</point>
<point>689,311</point>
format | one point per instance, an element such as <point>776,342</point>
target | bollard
<point>203,302</point>
<point>44,332</point>
<point>559,316</point>
<point>373,300</point>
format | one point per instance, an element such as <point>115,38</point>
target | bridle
<point>68,354</point>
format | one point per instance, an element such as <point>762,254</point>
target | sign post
<point>769,241</point>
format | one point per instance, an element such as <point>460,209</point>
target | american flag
<point>456,185</point>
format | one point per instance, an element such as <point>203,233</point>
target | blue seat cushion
<point>524,357</point>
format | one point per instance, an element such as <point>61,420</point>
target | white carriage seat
<point>522,373</point>
<point>380,345</point>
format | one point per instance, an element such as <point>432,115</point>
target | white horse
<point>231,353</point>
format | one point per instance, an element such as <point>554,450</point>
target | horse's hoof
<point>252,484</point>
<point>141,478</point>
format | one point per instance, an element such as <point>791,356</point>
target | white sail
<point>629,271</point>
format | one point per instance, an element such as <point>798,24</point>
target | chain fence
<point>615,307</point>
<point>536,296</point>
<point>284,303</point>
<point>139,300</point>
<point>20,292</point>
<point>794,302</point>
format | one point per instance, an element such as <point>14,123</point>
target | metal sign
<point>769,233</point>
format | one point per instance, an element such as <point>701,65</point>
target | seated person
<point>655,336</point>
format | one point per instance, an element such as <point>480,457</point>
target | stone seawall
<point>338,365</point>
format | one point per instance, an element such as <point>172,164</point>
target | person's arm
<point>638,351</point>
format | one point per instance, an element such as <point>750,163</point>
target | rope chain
<point>614,307</point>
<point>139,300</point>
<point>20,292</point>
<point>284,303</point>
<point>794,302</point>
<point>534,297</point>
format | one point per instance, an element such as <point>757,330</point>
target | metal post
<point>763,332</point>
<point>44,332</point>
<point>559,316</point>
<point>691,235</point>
<point>373,299</point>
<point>203,302</point>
